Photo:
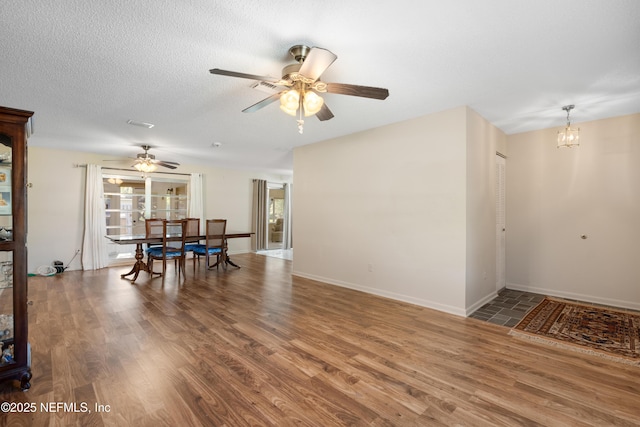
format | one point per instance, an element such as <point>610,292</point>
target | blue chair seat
<point>202,250</point>
<point>157,251</point>
<point>192,247</point>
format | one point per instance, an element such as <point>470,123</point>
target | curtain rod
<point>76,165</point>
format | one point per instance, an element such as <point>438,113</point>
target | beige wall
<point>554,196</point>
<point>56,202</point>
<point>386,211</point>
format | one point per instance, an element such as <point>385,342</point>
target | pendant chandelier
<point>568,137</point>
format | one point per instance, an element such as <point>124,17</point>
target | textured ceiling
<point>87,66</point>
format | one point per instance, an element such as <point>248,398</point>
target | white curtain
<point>260,215</point>
<point>287,241</point>
<point>196,199</point>
<point>94,245</point>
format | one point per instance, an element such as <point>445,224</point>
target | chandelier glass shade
<point>307,101</point>
<point>568,137</point>
<point>312,103</point>
<point>289,101</point>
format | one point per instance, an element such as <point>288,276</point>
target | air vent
<point>266,87</point>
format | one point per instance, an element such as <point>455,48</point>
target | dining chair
<point>153,228</point>
<point>173,236</point>
<point>193,230</point>
<point>215,243</point>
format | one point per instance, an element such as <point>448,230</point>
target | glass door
<point>129,200</point>
<point>124,211</point>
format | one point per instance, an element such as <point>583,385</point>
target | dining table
<point>140,240</point>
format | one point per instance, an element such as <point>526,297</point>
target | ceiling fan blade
<point>170,165</point>
<point>317,61</point>
<point>157,162</point>
<point>242,75</point>
<point>324,113</point>
<point>355,90</point>
<point>258,105</point>
<point>164,161</point>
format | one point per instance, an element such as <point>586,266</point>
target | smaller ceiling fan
<point>146,162</point>
<point>300,84</point>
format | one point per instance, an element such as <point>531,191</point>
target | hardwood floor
<point>257,347</point>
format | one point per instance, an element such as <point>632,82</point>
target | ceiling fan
<point>300,84</point>
<point>146,162</point>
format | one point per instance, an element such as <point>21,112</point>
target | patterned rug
<point>605,332</point>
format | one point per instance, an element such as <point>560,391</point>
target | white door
<point>501,279</point>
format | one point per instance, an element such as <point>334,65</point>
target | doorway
<point>271,217</point>
<point>276,218</point>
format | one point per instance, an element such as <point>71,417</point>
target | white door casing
<point>501,164</point>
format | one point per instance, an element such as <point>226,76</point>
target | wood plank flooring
<point>256,347</point>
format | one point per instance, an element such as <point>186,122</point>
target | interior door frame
<point>501,220</point>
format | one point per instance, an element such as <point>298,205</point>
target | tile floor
<point>508,308</point>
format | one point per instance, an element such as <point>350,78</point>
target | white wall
<point>556,195</point>
<point>56,202</point>
<point>385,211</point>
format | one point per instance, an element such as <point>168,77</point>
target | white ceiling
<point>87,66</point>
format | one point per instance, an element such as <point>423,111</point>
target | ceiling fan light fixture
<point>145,167</point>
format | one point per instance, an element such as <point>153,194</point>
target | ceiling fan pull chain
<point>300,119</point>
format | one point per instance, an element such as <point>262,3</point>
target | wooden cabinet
<point>15,360</point>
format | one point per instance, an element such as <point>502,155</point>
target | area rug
<point>605,332</point>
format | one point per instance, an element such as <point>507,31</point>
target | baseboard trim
<point>575,296</point>
<point>385,294</point>
<point>480,303</point>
